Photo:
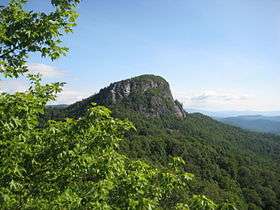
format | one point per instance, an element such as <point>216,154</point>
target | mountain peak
<point>147,77</point>
<point>137,85</point>
<point>149,95</point>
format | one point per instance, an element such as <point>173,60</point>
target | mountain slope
<point>229,163</point>
<point>147,94</point>
<point>255,123</point>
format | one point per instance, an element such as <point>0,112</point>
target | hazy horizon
<point>234,113</point>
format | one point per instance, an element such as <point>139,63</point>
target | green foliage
<point>202,203</point>
<point>22,32</point>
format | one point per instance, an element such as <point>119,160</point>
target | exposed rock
<point>147,94</point>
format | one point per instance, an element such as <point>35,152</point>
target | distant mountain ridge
<point>232,113</point>
<point>257,123</point>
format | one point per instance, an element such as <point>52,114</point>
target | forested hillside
<point>230,163</point>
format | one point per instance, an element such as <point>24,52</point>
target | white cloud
<point>45,70</point>
<point>21,84</point>
<point>12,86</point>
<point>215,100</point>
<point>69,96</point>
<point>215,95</point>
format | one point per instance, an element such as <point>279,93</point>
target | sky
<point>216,54</point>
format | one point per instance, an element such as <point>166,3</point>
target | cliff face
<point>147,94</point>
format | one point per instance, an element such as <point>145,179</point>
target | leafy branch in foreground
<point>22,32</point>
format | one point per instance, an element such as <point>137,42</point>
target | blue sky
<point>216,54</point>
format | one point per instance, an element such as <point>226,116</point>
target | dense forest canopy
<point>230,163</point>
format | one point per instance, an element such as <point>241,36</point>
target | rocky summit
<point>149,95</point>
